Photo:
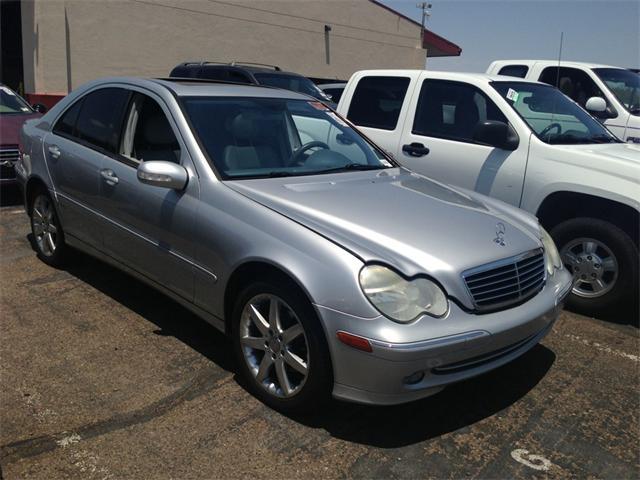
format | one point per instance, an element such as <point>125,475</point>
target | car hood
<point>400,218</point>
<point>619,159</point>
<point>10,125</point>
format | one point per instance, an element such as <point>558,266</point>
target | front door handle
<point>415,149</point>
<point>109,176</point>
<point>54,151</point>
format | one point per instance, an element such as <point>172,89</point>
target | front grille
<point>8,158</point>
<point>501,284</point>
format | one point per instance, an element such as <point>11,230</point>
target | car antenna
<point>553,111</point>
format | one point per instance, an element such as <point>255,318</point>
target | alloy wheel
<point>593,265</point>
<point>43,224</point>
<point>274,345</point>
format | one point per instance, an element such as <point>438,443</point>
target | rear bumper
<point>400,372</point>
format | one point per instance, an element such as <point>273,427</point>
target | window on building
<point>377,102</point>
<point>514,71</point>
<point>452,110</point>
<point>100,119</point>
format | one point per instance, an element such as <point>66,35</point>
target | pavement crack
<point>200,384</point>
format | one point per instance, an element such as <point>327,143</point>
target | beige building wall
<point>69,42</point>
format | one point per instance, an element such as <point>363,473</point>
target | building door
<point>11,73</point>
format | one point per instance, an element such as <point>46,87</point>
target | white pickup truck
<point>611,94</point>
<point>524,143</point>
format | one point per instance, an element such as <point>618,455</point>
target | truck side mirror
<point>596,105</point>
<point>496,134</point>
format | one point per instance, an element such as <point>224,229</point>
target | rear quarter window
<point>519,71</point>
<point>377,102</point>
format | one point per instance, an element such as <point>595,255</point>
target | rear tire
<point>604,262</point>
<point>48,236</point>
<point>269,351</point>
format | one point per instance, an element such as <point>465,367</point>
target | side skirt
<point>94,252</point>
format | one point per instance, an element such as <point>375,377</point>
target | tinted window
<point>67,123</point>
<point>624,84</point>
<point>100,119</point>
<point>185,71</point>
<point>335,93</point>
<point>574,83</point>
<point>452,110</point>
<point>236,76</point>
<point>377,102</point>
<point>296,83</point>
<point>514,71</point>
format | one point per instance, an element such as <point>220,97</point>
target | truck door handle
<point>415,149</point>
<point>109,176</point>
<point>54,151</point>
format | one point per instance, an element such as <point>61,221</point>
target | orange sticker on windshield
<point>319,106</point>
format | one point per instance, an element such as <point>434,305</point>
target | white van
<point>585,83</point>
<point>524,143</point>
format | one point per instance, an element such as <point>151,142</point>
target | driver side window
<point>148,134</point>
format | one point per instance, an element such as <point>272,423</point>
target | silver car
<point>334,271</point>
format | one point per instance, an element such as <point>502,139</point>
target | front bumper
<point>459,346</point>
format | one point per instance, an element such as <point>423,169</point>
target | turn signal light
<point>354,341</point>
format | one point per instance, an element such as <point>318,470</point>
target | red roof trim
<point>444,47</point>
<point>436,45</point>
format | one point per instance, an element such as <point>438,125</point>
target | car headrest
<point>243,126</point>
<point>157,131</point>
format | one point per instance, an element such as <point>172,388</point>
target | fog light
<point>414,378</point>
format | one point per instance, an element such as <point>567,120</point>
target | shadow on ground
<point>10,196</point>
<point>387,427</point>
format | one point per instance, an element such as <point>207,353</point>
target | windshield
<point>624,84</point>
<point>552,116</point>
<point>272,137</point>
<point>12,103</point>
<point>295,83</point>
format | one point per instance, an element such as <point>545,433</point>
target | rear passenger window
<point>100,119</point>
<point>452,110</point>
<point>377,101</point>
<point>66,126</point>
<point>519,71</point>
<point>213,73</point>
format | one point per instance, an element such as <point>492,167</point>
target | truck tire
<point>604,262</point>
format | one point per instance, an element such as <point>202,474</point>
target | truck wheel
<point>48,237</point>
<point>280,346</point>
<point>604,262</point>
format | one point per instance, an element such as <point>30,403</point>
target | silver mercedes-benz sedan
<point>334,270</point>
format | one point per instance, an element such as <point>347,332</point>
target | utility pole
<point>426,13</point>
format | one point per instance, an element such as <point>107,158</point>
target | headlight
<point>400,299</point>
<point>552,257</point>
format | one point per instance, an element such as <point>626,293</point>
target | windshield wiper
<point>352,166</point>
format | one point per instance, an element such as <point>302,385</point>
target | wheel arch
<point>33,185</point>
<point>564,205</point>
<point>248,271</point>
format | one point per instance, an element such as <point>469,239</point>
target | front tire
<point>280,347</point>
<point>48,236</point>
<point>604,262</point>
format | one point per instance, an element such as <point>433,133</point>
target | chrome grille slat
<point>501,284</point>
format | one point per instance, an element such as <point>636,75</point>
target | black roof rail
<point>275,67</point>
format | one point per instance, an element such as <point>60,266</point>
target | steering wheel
<point>297,154</point>
<point>551,126</point>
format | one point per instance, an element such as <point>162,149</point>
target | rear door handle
<point>109,176</point>
<point>415,149</point>
<point>54,151</point>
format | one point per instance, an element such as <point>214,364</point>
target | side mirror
<point>163,174</point>
<point>596,105</point>
<point>39,107</point>
<point>496,134</point>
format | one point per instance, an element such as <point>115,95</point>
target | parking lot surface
<point>102,377</point>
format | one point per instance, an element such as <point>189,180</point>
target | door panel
<point>150,228</point>
<point>75,173</point>
<point>443,121</point>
